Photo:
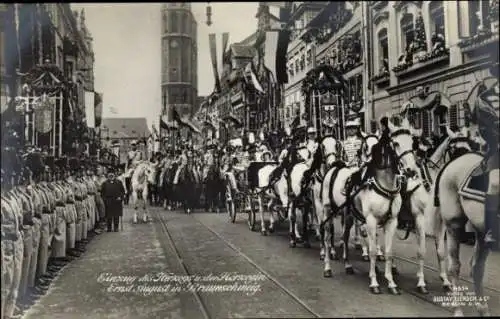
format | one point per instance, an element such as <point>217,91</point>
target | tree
<point>420,43</point>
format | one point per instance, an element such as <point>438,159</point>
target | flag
<point>270,54</point>
<point>255,82</point>
<point>213,55</point>
<point>89,108</point>
<point>225,41</point>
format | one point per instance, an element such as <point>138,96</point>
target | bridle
<point>336,153</point>
<point>364,145</point>
<point>406,152</point>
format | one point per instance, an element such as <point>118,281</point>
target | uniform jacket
<point>351,147</point>
<point>112,193</point>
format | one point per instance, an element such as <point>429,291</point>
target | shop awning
<point>435,100</point>
<point>232,119</point>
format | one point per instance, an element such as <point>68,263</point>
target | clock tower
<point>179,60</point>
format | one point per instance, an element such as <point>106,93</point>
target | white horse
<point>330,151</point>
<point>277,193</point>
<point>376,202</point>
<point>454,205</point>
<point>325,206</point>
<point>300,196</point>
<point>142,175</point>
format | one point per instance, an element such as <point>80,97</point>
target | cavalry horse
<point>184,186</point>
<point>459,197</point>
<point>212,185</point>
<point>376,202</point>
<point>141,176</point>
<point>167,186</point>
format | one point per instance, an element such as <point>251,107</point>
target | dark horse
<point>213,185</point>
<point>184,190</point>
<point>167,186</point>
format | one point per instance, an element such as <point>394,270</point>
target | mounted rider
<point>134,156</point>
<point>485,116</point>
<point>352,153</point>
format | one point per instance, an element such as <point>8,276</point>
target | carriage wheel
<point>251,218</point>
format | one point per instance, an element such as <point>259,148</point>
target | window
<point>478,12</point>
<point>308,57</point>
<point>407,31</point>
<point>174,22</point>
<point>183,25</point>
<point>302,62</point>
<point>426,124</point>
<point>453,117</point>
<point>383,50</point>
<point>436,11</point>
<point>297,67</point>
<point>165,23</point>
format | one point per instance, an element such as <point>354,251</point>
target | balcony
<point>381,79</point>
<point>422,63</point>
<point>480,43</point>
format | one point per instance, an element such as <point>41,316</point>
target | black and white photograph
<point>206,160</point>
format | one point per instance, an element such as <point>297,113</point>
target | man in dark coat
<point>113,192</point>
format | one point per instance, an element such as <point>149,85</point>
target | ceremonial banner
<point>255,82</point>
<point>213,55</point>
<point>44,114</point>
<point>89,109</point>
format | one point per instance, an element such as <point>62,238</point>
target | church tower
<point>179,59</point>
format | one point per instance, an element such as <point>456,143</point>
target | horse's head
<point>384,157</point>
<point>331,150</point>
<point>401,138</point>
<point>146,169</point>
<point>369,140</point>
<point>459,142</point>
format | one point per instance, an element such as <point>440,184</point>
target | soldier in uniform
<point>71,226</point>
<point>485,115</point>
<point>113,192</point>
<point>12,235</point>
<point>99,179</point>
<point>352,152</point>
<point>312,143</point>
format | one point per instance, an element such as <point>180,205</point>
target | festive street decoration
<point>420,43</point>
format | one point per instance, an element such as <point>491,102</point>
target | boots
<point>491,222</point>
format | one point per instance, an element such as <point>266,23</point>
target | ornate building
<point>330,66</point>
<point>48,66</point>
<point>428,56</point>
<point>179,63</point>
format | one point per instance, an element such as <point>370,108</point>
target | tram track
<point>203,307</point>
<point>356,269</point>
<point>405,286</point>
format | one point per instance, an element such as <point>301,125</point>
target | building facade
<point>179,62</point>
<point>117,134</point>
<point>326,65</point>
<point>428,56</point>
<point>48,59</point>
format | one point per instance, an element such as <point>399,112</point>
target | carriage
<point>252,183</point>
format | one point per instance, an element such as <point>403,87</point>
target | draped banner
<point>98,108</point>
<point>89,109</point>
<point>213,54</point>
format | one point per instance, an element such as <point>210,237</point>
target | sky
<point>127,48</point>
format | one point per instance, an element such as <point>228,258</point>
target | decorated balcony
<point>381,78</point>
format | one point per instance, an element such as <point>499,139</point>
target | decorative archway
<point>319,81</point>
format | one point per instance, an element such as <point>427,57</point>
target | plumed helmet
<point>311,130</point>
<point>251,138</point>
<point>34,161</point>
<point>353,123</point>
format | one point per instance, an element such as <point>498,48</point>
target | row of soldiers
<point>50,210</point>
